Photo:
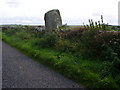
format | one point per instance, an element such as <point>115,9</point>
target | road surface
<point>20,71</point>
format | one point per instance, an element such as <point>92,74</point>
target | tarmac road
<point>20,71</point>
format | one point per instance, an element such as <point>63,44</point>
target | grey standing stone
<point>52,20</point>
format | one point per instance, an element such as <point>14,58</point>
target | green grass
<point>88,72</point>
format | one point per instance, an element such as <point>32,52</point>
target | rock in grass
<point>52,20</point>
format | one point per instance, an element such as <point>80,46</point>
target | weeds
<point>100,25</point>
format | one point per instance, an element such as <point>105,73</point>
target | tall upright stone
<point>52,20</point>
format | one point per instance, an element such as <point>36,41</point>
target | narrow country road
<point>19,71</point>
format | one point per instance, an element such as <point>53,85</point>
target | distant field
<point>72,26</point>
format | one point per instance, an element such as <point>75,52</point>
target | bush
<point>48,40</point>
<point>73,34</point>
<point>108,82</point>
<point>115,72</point>
<point>10,31</point>
<point>23,35</point>
<point>108,45</point>
<point>62,45</point>
<point>88,46</point>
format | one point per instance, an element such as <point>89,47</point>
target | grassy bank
<point>89,61</point>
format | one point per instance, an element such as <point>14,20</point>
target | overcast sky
<point>73,12</point>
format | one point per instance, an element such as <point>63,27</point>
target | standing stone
<point>52,20</point>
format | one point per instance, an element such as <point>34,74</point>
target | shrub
<point>110,69</point>
<point>115,72</point>
<point>108,45</point>
<point>88,47</point>
<point>108,82</point>
<point>10,31</point>
<point>73,34</point>
<point>62,45</point>
<point>24,35</point>
<point>48,40</point>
